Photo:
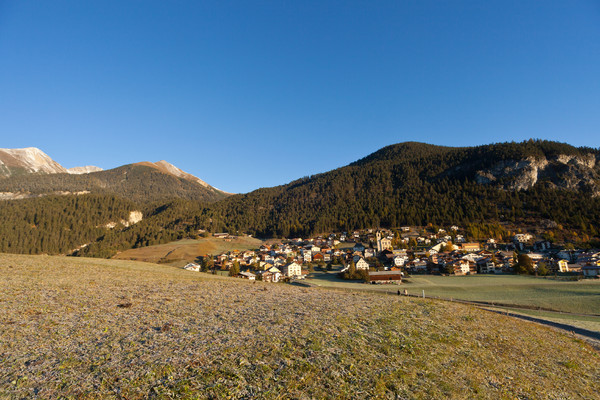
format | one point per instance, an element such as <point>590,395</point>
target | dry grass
<point>188,249</point>
<point>81,328</point>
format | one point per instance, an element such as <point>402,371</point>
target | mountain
<point>31,173</point>
<point>27,161</point>
<point>84,170</point>
<point>170,169</point>
<point>417,183</point>
<point>533,183</point>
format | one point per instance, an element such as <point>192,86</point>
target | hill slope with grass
<point>90,328</point>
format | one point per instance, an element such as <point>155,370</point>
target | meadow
<point>113,329</point>
<point>581,297</point>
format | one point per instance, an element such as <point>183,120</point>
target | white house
<point>522,238</point>
<point>563,266</point>
<point>307,256</point>
<point>399,261</point>
<point>369,252</point>
<point>291,270</point>
<point>192,267</point>
<point>362,264</point>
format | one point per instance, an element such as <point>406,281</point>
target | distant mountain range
<point>29,172</point>
<point>408,183</point>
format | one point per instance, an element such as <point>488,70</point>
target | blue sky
<point>249,94</point>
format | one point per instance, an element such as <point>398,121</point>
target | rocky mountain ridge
<point>27,173</point>
<point>26,161</point>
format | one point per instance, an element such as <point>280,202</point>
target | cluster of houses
<point>372,251</point>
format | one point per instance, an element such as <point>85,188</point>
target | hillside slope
<point>403,184</point>
<point>26,173</point>
<point>97,329</point>
<point>142,182</point>
<point>416,183</point>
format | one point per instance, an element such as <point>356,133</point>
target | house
<point>563,266</point>
<point>437,248</point>
<point>419,266</point>
<point>542,245</point>
<point>192,267</point>
<point>318,257</point>
<point>399,261</point>
<point>307,256</point>
<point>265,248</point>
<point>361,264</point>
<point>292,270</point>
<point>535,257</point>
<point>385,276</point>
<point>369,253</point>
<point>591,271</point>
<point>487,266</point>
<point>271,275</point>
<point>470,246</point>
<point>460,267</point>
<point>358,247</point>
<point>522,238</point>
<point>247,275</point>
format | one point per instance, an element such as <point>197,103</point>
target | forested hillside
<point>139,183</point>
<point>58,224</point>
<point>416,184</point>
<point>403,184</point>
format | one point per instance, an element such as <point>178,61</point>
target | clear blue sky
<point>248,94</point>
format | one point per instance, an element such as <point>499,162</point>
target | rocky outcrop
<point>570,172</point>
<point>134,218</point>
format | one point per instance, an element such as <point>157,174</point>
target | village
<point>382,256</point>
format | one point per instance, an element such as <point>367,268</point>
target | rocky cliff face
<point>581,172</point>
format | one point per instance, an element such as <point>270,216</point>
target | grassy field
<point>102,329</point>
<point>591,323</point>
<point>575,297</point>
<point>188,249</point>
